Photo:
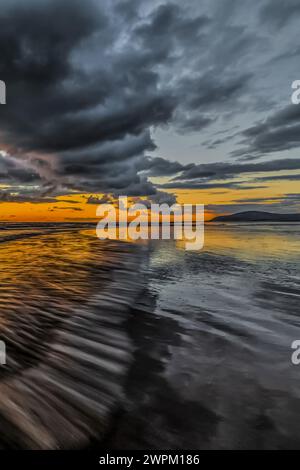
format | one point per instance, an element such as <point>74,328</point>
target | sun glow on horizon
<point>75,207</point>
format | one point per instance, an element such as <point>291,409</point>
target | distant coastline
<point>257,216</point>
<point>242,217</point>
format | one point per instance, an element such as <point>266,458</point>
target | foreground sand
<point>68,352</point>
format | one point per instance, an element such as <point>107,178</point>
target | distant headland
<point>257,216</point>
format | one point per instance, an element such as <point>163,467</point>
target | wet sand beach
<point>64,300</point>
<point>131,346</point>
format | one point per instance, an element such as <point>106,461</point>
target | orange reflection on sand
<point>252,241</point>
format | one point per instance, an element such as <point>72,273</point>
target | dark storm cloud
<point>212,89</point>
<point>203,185</point>
<point>105,199</point>
<point>84,87</point>
<point>84,93</point>
<point>291,177</point>
<point>6,196</point>
<point>211,93</point>
<point>160,167</point>
<point>280,131</point>
<point>160,197</point>
<point>57,105</point>
<point>290,198</point>
<point>13,171</point>
<point>167,27</point>
<point>278,13</point>
<point>110,166</point>
<point>223,170</point>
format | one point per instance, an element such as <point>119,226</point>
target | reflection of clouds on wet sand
<point>205,347</point>
<point>212,367</point>
<point>64,300</point>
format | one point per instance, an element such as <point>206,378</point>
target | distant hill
<point>257,216</point>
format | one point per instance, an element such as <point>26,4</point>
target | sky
<point>186,101</point>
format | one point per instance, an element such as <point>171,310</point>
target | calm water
<point>200,345</point>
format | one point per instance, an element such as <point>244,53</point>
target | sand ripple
<point>62,314</point>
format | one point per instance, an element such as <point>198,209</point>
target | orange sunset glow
<point>75,207</point>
